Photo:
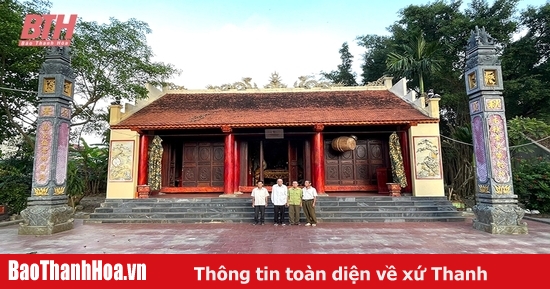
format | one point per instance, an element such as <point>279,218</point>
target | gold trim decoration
<point>493,104</point>
<point>396,160</point>
<point>68,88</point>
<point>502,189</point>
<point>484,189</point>
<point>472,80</point>
<point>41,191</point>
<point>49,85</point>
<point>490,77</point>
<point>475,107</point>
<point>59,191</point>
<point>46,110</point>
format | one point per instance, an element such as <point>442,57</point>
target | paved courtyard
<point>326,238</point>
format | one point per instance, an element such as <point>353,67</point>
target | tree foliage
<point>415,60</point>
<point>113,62</point>
<point>344,75</point>
<point>19,68</point>
<point>447,26</point>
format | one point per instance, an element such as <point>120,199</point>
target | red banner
<point>272,271</point>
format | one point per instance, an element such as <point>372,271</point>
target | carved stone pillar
<point>47,211</point>
<point>496,208</point>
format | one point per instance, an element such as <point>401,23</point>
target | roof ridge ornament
<point>379,82</point>
<point>238,85</point>
<point>307,83</point>
<point>275,81</point>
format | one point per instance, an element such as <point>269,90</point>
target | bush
<point>16,181</point>
<point>532,183</point>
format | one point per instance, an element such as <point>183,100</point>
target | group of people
<point>295,198</point>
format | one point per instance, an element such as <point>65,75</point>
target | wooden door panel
<point>203,164</point>
<point>357,167</point>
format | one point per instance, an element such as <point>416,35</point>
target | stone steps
<point>239,210</point>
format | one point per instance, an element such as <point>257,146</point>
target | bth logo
<point>37,30</point>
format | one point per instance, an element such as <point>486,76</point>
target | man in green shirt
<point>294,203</point>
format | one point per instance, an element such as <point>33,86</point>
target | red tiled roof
<point>274,109</point>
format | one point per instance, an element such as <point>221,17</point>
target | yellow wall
<point>126,189</point>
<point>430,185</point>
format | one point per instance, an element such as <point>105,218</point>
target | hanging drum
<point>344,143</point>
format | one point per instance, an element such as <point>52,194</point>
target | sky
<point>214,42</point>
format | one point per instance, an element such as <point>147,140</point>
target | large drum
<point>344,143</point>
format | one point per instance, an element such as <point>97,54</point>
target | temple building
<point>223,139</point>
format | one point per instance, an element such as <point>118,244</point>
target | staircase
<point>239,210</point>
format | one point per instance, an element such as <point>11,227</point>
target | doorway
<point>280,159</point>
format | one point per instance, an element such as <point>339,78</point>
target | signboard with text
<point>47,30</point>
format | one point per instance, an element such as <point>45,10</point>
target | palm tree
<point>417,59</point>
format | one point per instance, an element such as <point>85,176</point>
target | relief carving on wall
<point>479,148</point>
<point>498,149</point>
<point>121,161</point>
<point>42,161</point>
<point>427,157</point>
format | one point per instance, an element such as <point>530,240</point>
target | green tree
<point>417,59</point>
<point>344,75</point>
<point>18,71</point>
<point>377,49</point>
<point>113,62</point>
<point>526,69</point>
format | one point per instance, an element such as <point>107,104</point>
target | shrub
<point>532,183</point>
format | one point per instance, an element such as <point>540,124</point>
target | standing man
<point>279,198</point>
<point>259,203</point>
<point>294,203</point>
<point>309,197</point>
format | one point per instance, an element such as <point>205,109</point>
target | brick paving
<point>326,238</point>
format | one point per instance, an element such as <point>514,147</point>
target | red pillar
<point>143,167</point>
<point>237,167</point>
<point>229,161</point>
<point>406,152</point>
<point>143,159</point>
<point>318,159</point>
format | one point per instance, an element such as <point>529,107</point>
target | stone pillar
<point>143,188</point>
<point>47,211</point>
<point>229,162</point>
<point>318,159</point>
<point>496,208</point>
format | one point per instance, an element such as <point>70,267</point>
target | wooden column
<point>237,167</point>
<point>143,166</point>
<point>261,162</point>
<point>307,160</point>
<point>143,159</point>
<point>229,162</point>
<point>318,159</point>
<point>406,152</point>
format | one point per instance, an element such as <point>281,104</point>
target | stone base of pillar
<point>46,216</point>
<point>143,191</point>
<point>499,214</point>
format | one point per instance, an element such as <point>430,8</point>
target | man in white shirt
<point>309,197</point>
<point>279,198</point>
<point>259,203</point>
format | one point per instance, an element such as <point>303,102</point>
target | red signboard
<point>46,30</point>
